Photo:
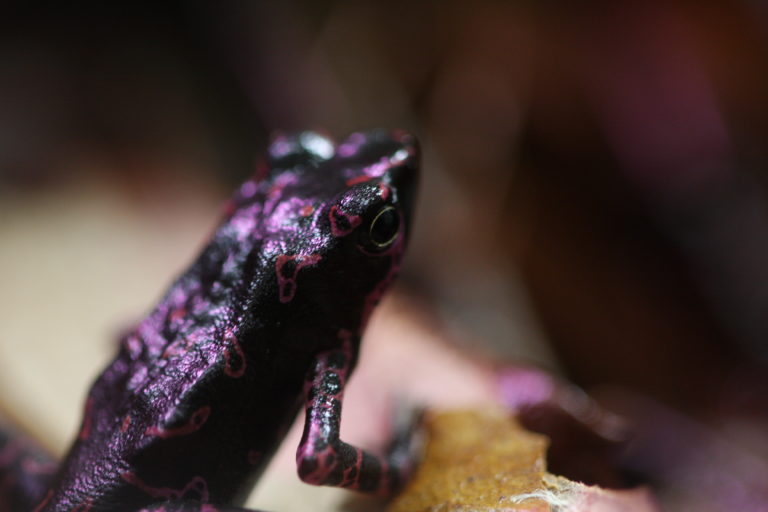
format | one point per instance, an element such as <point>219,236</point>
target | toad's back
<point>203,390</point>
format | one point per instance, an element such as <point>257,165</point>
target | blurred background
<point>593,195</point>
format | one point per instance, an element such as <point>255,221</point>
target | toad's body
<point>203,390</point>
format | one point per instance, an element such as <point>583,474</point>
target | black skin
<point>269,316</point>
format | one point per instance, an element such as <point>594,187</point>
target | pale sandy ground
<point>79,266</point>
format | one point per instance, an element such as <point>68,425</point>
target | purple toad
<point>268,317</point>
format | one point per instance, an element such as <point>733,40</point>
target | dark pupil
<point>385,227</point>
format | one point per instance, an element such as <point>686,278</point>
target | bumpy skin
<point>269,315</point>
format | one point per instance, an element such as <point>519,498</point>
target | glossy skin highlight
<point>268,317</point>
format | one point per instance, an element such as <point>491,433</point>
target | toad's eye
<point>385,227</point>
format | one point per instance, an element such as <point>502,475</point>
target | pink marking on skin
<point>233,346</point>
<point>287,283</point>
<point>85,430</point>
<point>177,314</point>
<point>176,348</point>
<point>348,481</point>
<point>358,179</point>
<point>307,210</point>
<point>195,423</point>
<point>45,501</point>
<point>275,190</point>
<point>126,423</point>
<point>273,197</point>
<point>336,214</point>
<point>197,483</point>
<point>321,472</point>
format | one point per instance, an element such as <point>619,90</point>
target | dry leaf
<point>483,461</point>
